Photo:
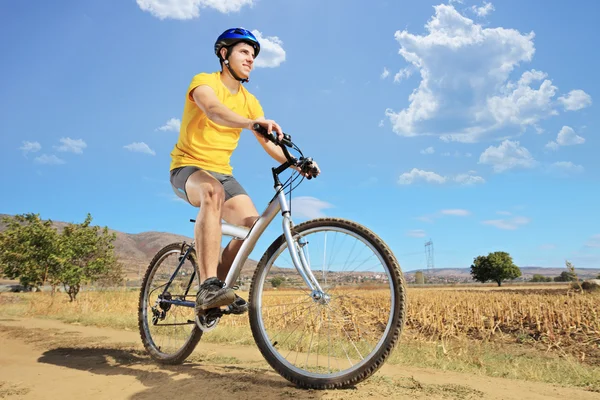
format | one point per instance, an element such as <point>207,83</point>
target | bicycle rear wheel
<point>169,331</point>
<point>343,336</point>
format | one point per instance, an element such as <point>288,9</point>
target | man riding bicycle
<point>217,108</point>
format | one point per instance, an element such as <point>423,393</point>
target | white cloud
<point>483,10</point>
<point>455,154</point>
<point>381,123</point>
<point>188,9</point>
<point>419,175</point>
<point>466,92</point>
<point>30,147</point>
<point>468,179</point>
<point>171,125</point>
<point>567,167</point>
<point>509,223</point>
<point>416,233</point>
<point>271,54</point>
<point>551,145</point>
<point>385,73</point>
<point>507,156</point>
<point>430,218</point>
<point>50,160</point>
<point>309,207</point>
<point>503,213</point>
<point>456,212</point>
<point>429,150</point>
<point>415,175</point>
<point>71,145</point>
<point>522,104</point>
<point>404,73</point>
<point>426,218</point>
<point>566,137</point>
<point>575,100</point>
<point>594,241</point>
<point>140,147</point>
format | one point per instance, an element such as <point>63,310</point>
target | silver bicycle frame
<point>251,236</point>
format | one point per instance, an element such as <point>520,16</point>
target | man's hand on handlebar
<point>308,168</point>
<point>269,125</point>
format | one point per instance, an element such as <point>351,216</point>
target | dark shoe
<point>212,294</point>
<point>239,306</point>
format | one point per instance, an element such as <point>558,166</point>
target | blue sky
<point>472,124</point>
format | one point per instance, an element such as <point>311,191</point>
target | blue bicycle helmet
<point>233,36</point>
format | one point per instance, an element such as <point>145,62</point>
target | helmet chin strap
<point>233,72</point>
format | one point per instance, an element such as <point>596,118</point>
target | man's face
<point>241,59</point>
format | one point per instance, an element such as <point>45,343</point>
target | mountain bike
<point>327,299</point>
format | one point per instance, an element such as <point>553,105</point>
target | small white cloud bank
<point>49,160</point>
<point>575,100</point>
<point>416,233</point>
<point>71,145</point>
<point>508,223</point>
<point>30,147</point>
<point>172,125</point>
<point>309,207</point>
<point>418,175</point>
<point>566,137</point>
<point>566,168</point>
<point>484,10</point>
<point>456,212</point>
<point>189,9</point>
<point>140,147</point>
<point>385,73</point>
<point>271,54</point>
<point>508,155</point>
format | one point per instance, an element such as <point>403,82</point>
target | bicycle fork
<point>299,257</point>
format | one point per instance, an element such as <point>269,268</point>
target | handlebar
<point>287,139</point>
<point>305,164</point>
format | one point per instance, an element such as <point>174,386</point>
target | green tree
<point>496,267</point>
<point>540,278</point>
<point>28,250</point>
<point>565,276</point>
<point>276,281</point>
<point>86,255</point>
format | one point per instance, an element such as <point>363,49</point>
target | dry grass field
<point>543,334</point>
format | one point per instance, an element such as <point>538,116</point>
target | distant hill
<point>464,274</point>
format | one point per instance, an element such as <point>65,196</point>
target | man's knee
<point>212,195</point>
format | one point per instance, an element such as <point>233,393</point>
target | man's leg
<point>238,210</point>
<point>206,192</point>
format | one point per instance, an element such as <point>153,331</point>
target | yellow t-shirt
<point>202,142</point>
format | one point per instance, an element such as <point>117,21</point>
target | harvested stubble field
<point>541,334</point>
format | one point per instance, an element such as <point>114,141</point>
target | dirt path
<point>46,359</point>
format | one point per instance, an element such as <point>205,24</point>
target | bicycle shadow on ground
<point>191,380</point>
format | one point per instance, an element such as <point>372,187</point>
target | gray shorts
<point>179,177</point>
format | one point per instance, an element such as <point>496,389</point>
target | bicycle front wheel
<point>342,335</point>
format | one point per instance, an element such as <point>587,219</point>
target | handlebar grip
<point>287,139</point>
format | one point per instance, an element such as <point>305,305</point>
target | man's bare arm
<point>205,98</point>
